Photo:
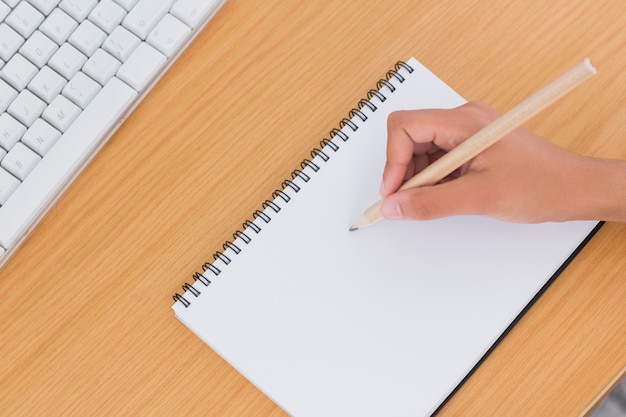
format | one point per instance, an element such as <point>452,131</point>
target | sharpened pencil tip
<point>353,228</point>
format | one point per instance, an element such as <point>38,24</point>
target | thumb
<point>463,195</point>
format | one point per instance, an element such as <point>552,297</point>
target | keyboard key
<point>7,95</point>
<point>20,161</point>
<point>67,61</point>
<point>45,6</point>
<point>41,136</point>
<point>26,108</point>
<point>18,72</point>
<point>192,12</point>
<point>121,43</point>
<point>8,184</point>
<point>81,90</point>
<point>38,49</point>
<point>10,41</point>
<point>61,113</point>
<point>11,3</point>
<point>63,160</point>
<point>78,9</point>
<point>101,66</point>
<point>58,26</point>
<point>141,67</point>
<point>145,15</point>
<point>87,38</point>
<point>10,131</point>
<point>127,4</point>
<point>24,19</point>
<point>107,15</point>
<point>47,84</point>
<point>4,11</point>
<point>169,35</point>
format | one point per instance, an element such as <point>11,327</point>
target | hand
<point>522,178</point>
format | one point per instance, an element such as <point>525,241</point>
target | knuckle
<point>420,207</point>
<point>481,112</point>
<point>395,118</point>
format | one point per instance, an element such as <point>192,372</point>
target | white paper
<point>385,321</point>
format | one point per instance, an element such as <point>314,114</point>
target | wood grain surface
<point>86,326</point>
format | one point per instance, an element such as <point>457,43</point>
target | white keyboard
<point>70,72</point>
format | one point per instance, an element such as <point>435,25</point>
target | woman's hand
<point>522,178</point>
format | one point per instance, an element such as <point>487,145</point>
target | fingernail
<point>390,209</point>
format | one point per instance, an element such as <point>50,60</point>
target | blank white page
<point>384,321</point>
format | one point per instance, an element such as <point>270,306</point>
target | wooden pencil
<point>489,135</point>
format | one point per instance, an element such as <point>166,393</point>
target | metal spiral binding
<point>323,153</point>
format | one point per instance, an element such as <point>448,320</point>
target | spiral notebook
<point>386,321</point>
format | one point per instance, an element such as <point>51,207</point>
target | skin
<point>523,178</point>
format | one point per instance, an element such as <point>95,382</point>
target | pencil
<point>489,135</point>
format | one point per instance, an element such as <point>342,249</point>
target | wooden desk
<point>86,326</point>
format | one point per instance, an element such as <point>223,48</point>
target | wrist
<point>600,190</point>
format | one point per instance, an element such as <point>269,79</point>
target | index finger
<point>415,132</point>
